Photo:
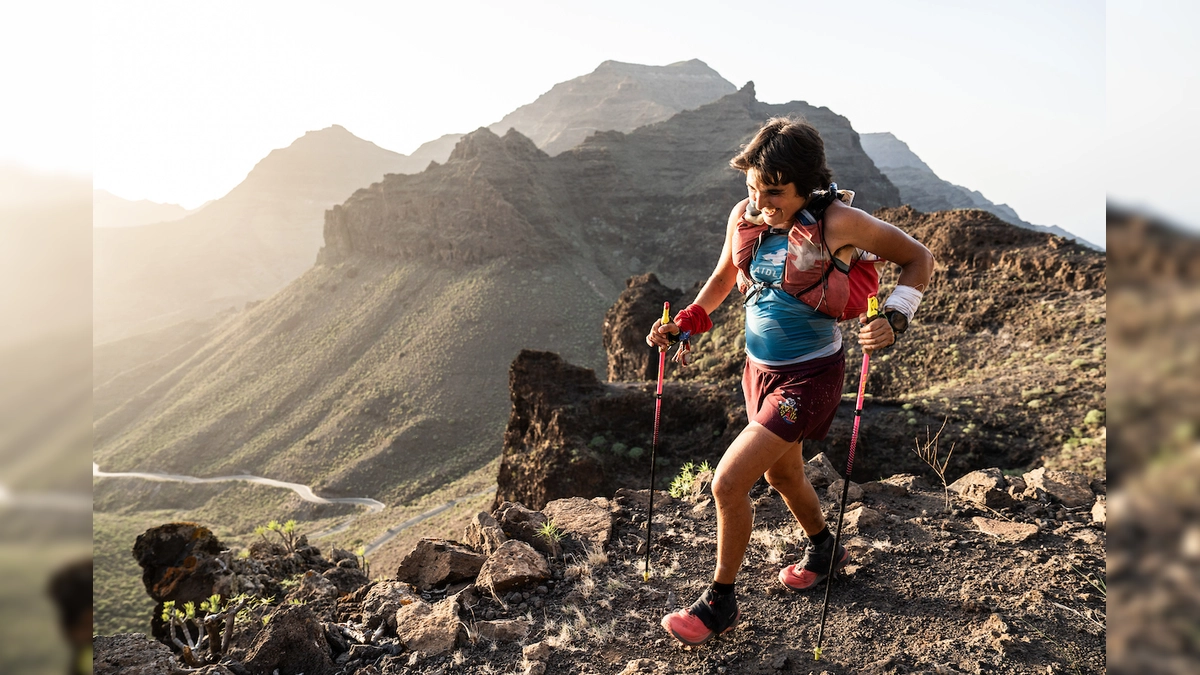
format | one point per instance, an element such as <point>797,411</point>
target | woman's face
<point>778,203</point>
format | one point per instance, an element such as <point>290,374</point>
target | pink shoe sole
<point>806,579</point>
<point>690,630</point>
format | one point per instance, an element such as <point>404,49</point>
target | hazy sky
<point>1005,97</point>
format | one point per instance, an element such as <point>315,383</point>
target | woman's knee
<point>785,478</point>
<point>727,486</point>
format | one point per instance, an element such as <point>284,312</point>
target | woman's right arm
<point>716,289</point>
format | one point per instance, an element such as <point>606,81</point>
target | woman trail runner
<point>789,247</point>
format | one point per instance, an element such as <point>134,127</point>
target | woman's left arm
<point>848,226</point>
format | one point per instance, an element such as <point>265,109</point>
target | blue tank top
<point>781,330</point>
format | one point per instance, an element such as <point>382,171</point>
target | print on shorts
<point>788,410</point>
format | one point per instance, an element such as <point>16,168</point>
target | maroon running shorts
<point>795,402</point>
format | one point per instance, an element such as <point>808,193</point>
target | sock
<point>722,590</point>
<point>820,537</point>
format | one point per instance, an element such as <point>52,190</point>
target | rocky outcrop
<point>436,562</point>
<point>292,641</point>
<point>514,565</point>
<point>429,629</point>
<point>571,436</point>
<point>628,321</point>
<point>484,533</point>
<point>132,654</point>
<point>182,562</point>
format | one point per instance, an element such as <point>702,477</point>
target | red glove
<point>693,319</point>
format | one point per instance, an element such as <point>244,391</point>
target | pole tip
<point>816,653</point>
<point>646,576</point>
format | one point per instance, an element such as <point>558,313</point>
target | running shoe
<point>707,618</point>
<point>814,567</point>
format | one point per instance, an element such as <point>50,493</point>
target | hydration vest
<point>811,273</point>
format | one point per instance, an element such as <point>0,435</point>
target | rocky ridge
<point>242,247</point>
<point>922,189</point>
<point>970,588</point>
<point>616,96</point>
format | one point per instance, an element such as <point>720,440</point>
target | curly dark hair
<point>786,150</point>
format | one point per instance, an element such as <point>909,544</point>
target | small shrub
<point>1094,417</point>
<point>550,532</point>
<point>618,448</point>
<point>636,452</point>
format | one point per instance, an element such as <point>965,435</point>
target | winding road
<point>306,493</point>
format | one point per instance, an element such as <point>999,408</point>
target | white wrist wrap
<point>904,299</point>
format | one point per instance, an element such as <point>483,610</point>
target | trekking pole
<point>662,366</point>
<point>872,313</point>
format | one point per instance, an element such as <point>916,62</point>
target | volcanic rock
<point>863,518</point>
<point>434,562</point>
<point>820,471</point>
<point>384,599</point>
<point>484,533</point>
<point>292,641</point>
<point>570,436</point>
<point>1008,531</point>
<point>429,629</point>
<point>527,525</point>
<point>1067,487</point>
<point>180,562</point>
<point>132,654</point>
<point>514,565</point>
<point>855,493</point>
<point>985,486</point>
<point>627,323</point>
<point>582,518</point>
<point>503,630</point>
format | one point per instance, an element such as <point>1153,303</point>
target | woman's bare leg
<point>752,453</point>
<point>788,478</point>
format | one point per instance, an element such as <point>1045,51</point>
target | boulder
<point>863,518</point>
<point>429,629</point>
<point>182,562</point>
<point>1005,530</point>
<point>132,654</point>
<point>292,641</point>
<point>835,492</point>
<point>484,533</point>
<point>384,599</point>
<point>436,562</point>
<point>513,565</point>
<point>525,525</point>
<point>1068,487</point>
<point>984,486</point>
<point>820,471</point>
<point>503,630</point>
<point>639,499</point>
<point>582,518</point>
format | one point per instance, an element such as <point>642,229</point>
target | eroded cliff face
<point>569,435</point>
<point>656,198</point>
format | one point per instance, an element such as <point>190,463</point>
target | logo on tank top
<point>788,410</point>
<point>769,265</point>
